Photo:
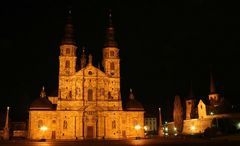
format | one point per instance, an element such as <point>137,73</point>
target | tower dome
<point>42,103</point>
<point>132,104</point>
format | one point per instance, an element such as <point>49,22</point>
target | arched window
<point>70,94</point>
<point>40,123</point>
<point>77,91</point>
<point>111,66</point>
<point>64,124</point>
<point>102,91</point>
<point>67,51</point>
<point>67,64</point>
<point>111,53</point>
<point>90,95</point>
<point>113,124</point>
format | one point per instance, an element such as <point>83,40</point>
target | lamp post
<point>160,122</point>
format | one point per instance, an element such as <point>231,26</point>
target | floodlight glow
<point>44,128</point>
<point>175,129</point>
<point>137,127</point>
<point>193,128</point>
<point>145,128</point>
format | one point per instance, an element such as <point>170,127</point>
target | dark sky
<point>163,46</point>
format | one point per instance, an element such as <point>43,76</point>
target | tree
<point>178,114</point>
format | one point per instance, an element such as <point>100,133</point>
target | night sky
<point>164,45</point>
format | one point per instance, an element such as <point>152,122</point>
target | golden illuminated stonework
<point>88,104</point>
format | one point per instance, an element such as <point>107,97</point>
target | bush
<point>210,132</point>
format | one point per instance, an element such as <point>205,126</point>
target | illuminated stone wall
<point>107,124</point>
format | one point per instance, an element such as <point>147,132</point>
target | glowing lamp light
<point>175,129</point>
<point>145,128</point>
<point>166,129</point>
<point>193,128</point>
<point>44,128</point>
<point>238,125</point>
<point>211,113</point>
<point>137,127</point>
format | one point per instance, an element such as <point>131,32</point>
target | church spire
<point>110,38</point>
<point>68,37</point>
<point>212,84</point>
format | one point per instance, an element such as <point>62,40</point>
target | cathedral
<point>89,102</point>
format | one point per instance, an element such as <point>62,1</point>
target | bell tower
<point>111,62</point>
<point>67,58</point>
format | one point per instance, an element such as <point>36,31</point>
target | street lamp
<point>145,128</point>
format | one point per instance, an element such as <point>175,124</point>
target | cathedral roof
<point>42,103</point>
<point>132,104</point>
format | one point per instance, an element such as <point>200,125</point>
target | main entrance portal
<point>89,131</point>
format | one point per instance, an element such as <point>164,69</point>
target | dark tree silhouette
<point>178,114</point>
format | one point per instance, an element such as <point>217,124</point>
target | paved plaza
<point>138,142</point>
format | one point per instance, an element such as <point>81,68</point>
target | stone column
<point>6,127</point>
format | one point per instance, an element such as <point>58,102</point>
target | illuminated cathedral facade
<point>88,104</point>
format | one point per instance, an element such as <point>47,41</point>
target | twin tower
<point>68,58</point>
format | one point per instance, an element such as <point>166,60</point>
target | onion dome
<point>68,38</point>
<point>110,33</point>
<point>42,103</point>
<point>132,104</point>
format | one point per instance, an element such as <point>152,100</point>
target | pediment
<point>90,71</point>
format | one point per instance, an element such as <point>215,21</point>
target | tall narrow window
<point>70,94</point>
<point>67,51</point>
<point>111,53</point>
<point>102,91</point>
<point>67,64</point>
<point>90,95</point>
<point>40,123</point>
<point>64,124</point>
<point>113,124</point>
<point>77,91</point>
<point>111,66</point>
